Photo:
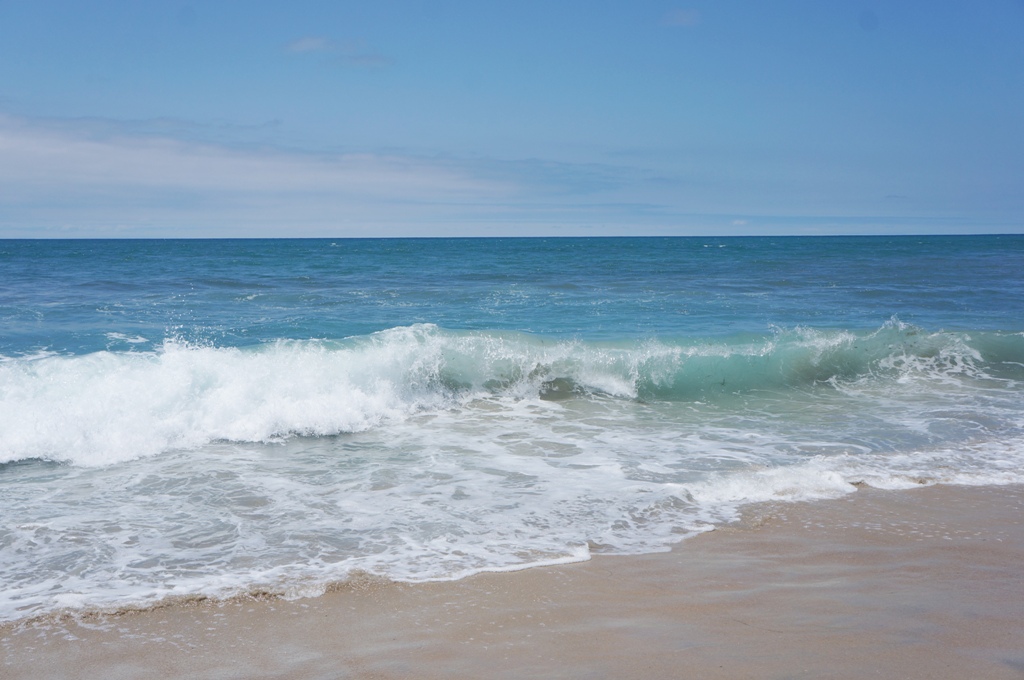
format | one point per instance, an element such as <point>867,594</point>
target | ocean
<point>186,419</point>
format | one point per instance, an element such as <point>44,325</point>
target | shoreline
<point>915,583</point>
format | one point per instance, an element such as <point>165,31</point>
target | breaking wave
<point>108,407</point>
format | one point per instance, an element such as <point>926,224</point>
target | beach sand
<point>927,583</point>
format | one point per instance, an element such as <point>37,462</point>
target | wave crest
<point>108,407</point>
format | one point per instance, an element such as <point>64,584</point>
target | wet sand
<point>927,583</point>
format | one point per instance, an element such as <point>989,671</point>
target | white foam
<point>109,407</point>
<point>130,339</point>
<point>796,483</point>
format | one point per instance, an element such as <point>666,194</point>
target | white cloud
<point>368,60</point>
<point>311,44</point>
<point>153,178</point>
<point>99,178</point>
<point>53,175</point>
<point>681,17</point>
<point>37,158</point>
<point>348,53</point>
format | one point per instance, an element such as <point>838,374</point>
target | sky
<point>574,118</point>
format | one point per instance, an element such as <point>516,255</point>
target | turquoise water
<point>184,418</point>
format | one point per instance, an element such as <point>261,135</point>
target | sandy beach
<point>913,584</point>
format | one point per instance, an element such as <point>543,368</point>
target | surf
<point>108,407</point>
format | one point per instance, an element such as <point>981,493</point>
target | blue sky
<point>160,119</point>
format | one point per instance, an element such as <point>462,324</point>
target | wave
<point>108,407</point>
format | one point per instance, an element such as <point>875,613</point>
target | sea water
<point>212,418</point>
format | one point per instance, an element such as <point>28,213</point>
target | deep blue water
<point>68,296</point>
